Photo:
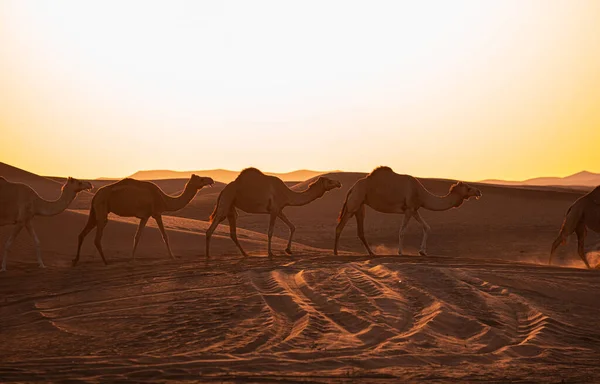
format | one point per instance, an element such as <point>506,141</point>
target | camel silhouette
<point>582,214</point>
<point>134,198</point>
<point>388,192</point>
<point>254,192</point>
<point>19,204</point>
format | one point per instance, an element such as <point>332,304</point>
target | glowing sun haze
<point>456,89</point>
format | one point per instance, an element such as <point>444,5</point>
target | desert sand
<point>483,307</point>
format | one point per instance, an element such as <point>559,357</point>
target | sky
<point>456,89</point>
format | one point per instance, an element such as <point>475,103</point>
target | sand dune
<point>44,186</point>
<point>484,307</point>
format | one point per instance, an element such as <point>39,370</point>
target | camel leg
<point>426,230</point>
<point>9,243</point>
<point>98,240</point>
<point>91,224</point>
<point>270,233</point>
<point>360,228</point>
<point>581,233</point>
<point>231,217</point>
<point>138,235</point>
<point>215,223</point>
<point>560,240</point>
<point>338,230</point>
<point>36,241</point>
<point>407,216</point>
<point>284,218</point>
<point>165,238</point>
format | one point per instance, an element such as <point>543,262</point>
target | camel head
<point>465,190</point>
<point>326,183</point>
<point>199,182</point>
<point>77,185</point>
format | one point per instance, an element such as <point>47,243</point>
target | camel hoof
<point>42,266</point>
<point>3,270</point>
<point>271,255</point>
<point>422,253</point>
<point>74,263</point>
<point>288,251</point>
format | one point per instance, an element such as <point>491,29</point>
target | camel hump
<point>127,181</point>
<point>381,169</point>
<point>249,172</point>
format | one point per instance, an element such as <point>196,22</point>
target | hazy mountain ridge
<point>583,178</point>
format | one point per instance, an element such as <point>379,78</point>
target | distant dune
<point>582,179</point>
<point>222,175</point>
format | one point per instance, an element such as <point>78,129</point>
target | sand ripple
<point>317,316</point>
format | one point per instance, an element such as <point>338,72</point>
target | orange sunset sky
<point>455,89</point>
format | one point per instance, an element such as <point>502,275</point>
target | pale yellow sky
<point>461,89</point>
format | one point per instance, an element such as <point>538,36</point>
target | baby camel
<point>19,204</point>
<point>388,192</point>
<point>584,213</point>
<point>254,192</point>
<point>134,198</point>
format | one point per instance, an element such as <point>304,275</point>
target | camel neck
<point>176,203</point>
<point>441,203</point>
<point>50,208</point>
<point>305,197</point>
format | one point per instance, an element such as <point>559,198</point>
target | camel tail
<point>344,207</point>
<point>92,215</point>
<point>214,213</point>
<point>343,211</point>
<point>572,219</point>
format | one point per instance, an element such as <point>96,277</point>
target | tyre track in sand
<point>285,316</point>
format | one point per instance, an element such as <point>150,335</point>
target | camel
<point>388,192</point>
<point>582,214</point>
<point>134,198</point>
<point>254,192</point>
<point>19,204</point>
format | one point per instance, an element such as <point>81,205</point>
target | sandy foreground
<point>483,307</point>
